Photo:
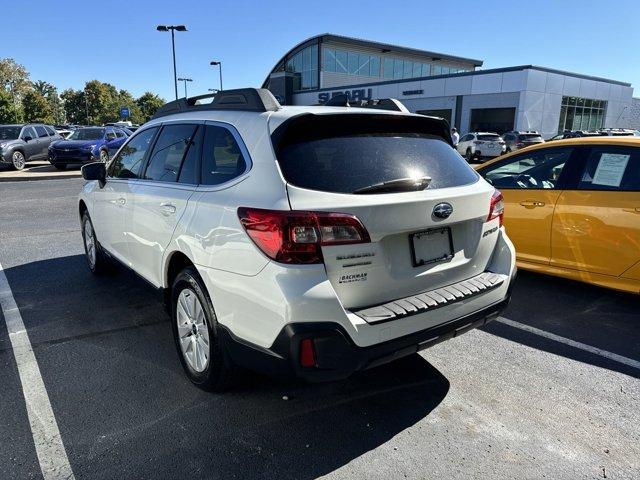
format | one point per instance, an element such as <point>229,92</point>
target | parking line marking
<point>572,343</point>
<point>52,455</point>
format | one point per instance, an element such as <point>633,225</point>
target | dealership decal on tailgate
<point>353,277</point>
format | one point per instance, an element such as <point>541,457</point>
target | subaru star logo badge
<point>442,210</point>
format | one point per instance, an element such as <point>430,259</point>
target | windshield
<point>9,133</point>
<point>87,134</point>
<point>490,138</point>
<point>529,136</point>
<point>350,163</point>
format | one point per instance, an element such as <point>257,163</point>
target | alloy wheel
<point>18,160</point>
<point>90,243</point>
<point>192,330</point>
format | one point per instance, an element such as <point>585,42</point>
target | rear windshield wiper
<point>397,185</point>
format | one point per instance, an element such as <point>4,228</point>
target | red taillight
<point>307,355</point>
<point>519,144</point>
<point>496,208</point>
<point>297,236</point>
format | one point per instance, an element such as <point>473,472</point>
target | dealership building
<point>525,97</point>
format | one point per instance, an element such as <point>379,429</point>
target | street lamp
<point>173,28</point>
<point>214,63</point>
<point>185,80</point>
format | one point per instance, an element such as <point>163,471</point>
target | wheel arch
<point>176,261</point>
<point>82,207</point>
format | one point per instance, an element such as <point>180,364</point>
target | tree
<point>7,108</point>
<point>50,93</point>
<point>14,79</point>
<point>36,108</point>
<point>149,103</point>
<point>74,106</point>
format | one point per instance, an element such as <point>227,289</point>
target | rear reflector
<point>297,236</point>
<point>496,207</point>
<point>307,355</point>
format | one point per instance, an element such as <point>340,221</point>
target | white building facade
<point>524,97</point>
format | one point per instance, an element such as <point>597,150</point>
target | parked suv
<point>480,146</point>
<point>309,241</point>
<point>516,140</point>
<point>20,144</point>
<point>85,145</point>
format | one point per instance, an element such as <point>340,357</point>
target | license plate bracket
<point>431,246</point>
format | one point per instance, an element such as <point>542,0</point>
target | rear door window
<point>42,133</point>
<point>611,168</point>
<point>222,157</point>
<point>343,154</point>
<point>165,161</point>
<point>50,130</point>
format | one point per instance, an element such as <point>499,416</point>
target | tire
<point>508,150</point>
<point>196,334</point>
<point>469,155</point>
<point>104,156</point>
<point>18,160</point>
<point>96,259</point>
<point>60,166</point>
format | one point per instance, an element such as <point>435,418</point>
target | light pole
<point>219,64</point>
<point>185,80</point>
<point>173,28</point>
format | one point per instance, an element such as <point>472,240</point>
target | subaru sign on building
<point>525,97</point>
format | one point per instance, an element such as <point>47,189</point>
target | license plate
<point>431,246</point>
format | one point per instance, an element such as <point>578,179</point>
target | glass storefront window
<point>341,61</point>
<point>581,114</point>
<point>397,68</point>
<point>388,68</point>
<point>374,66</point>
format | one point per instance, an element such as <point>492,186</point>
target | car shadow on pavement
<point>594,316</point>
<point>125,409</point>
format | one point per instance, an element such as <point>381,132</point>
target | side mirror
<point>27,138</point>
<point>95,171</point>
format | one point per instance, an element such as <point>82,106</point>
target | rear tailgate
<point>388,267</point>
<point>420,238</point>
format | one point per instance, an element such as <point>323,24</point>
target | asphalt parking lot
<point>551,391</point>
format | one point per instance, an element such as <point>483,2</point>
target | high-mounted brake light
<point>496,207</point>
<point>297,236</point>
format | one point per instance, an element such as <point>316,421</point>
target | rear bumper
<point>336,356</point>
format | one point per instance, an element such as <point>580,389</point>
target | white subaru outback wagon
<point>308,241</point>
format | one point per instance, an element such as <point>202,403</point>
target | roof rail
<point>343,100</point>
<point>240,99</point>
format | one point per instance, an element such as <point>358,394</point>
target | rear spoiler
<point>439,125</point>
<point>310,126</point>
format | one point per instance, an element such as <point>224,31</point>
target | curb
<point>42,177</point>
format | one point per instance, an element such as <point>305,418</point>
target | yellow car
<point>572,208</point>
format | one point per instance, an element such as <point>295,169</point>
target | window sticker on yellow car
<point>610,169</point>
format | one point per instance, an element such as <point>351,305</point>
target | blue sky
<point>70,42</point>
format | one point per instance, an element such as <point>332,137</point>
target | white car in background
<point>309,241</point>
<point>480,146</point>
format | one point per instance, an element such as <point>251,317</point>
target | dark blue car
<point>85,145</point>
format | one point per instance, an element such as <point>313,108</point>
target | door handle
<point>122,201</point>
<point>168,208</point>
<point>532,203</point>
<point>632,210</point>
